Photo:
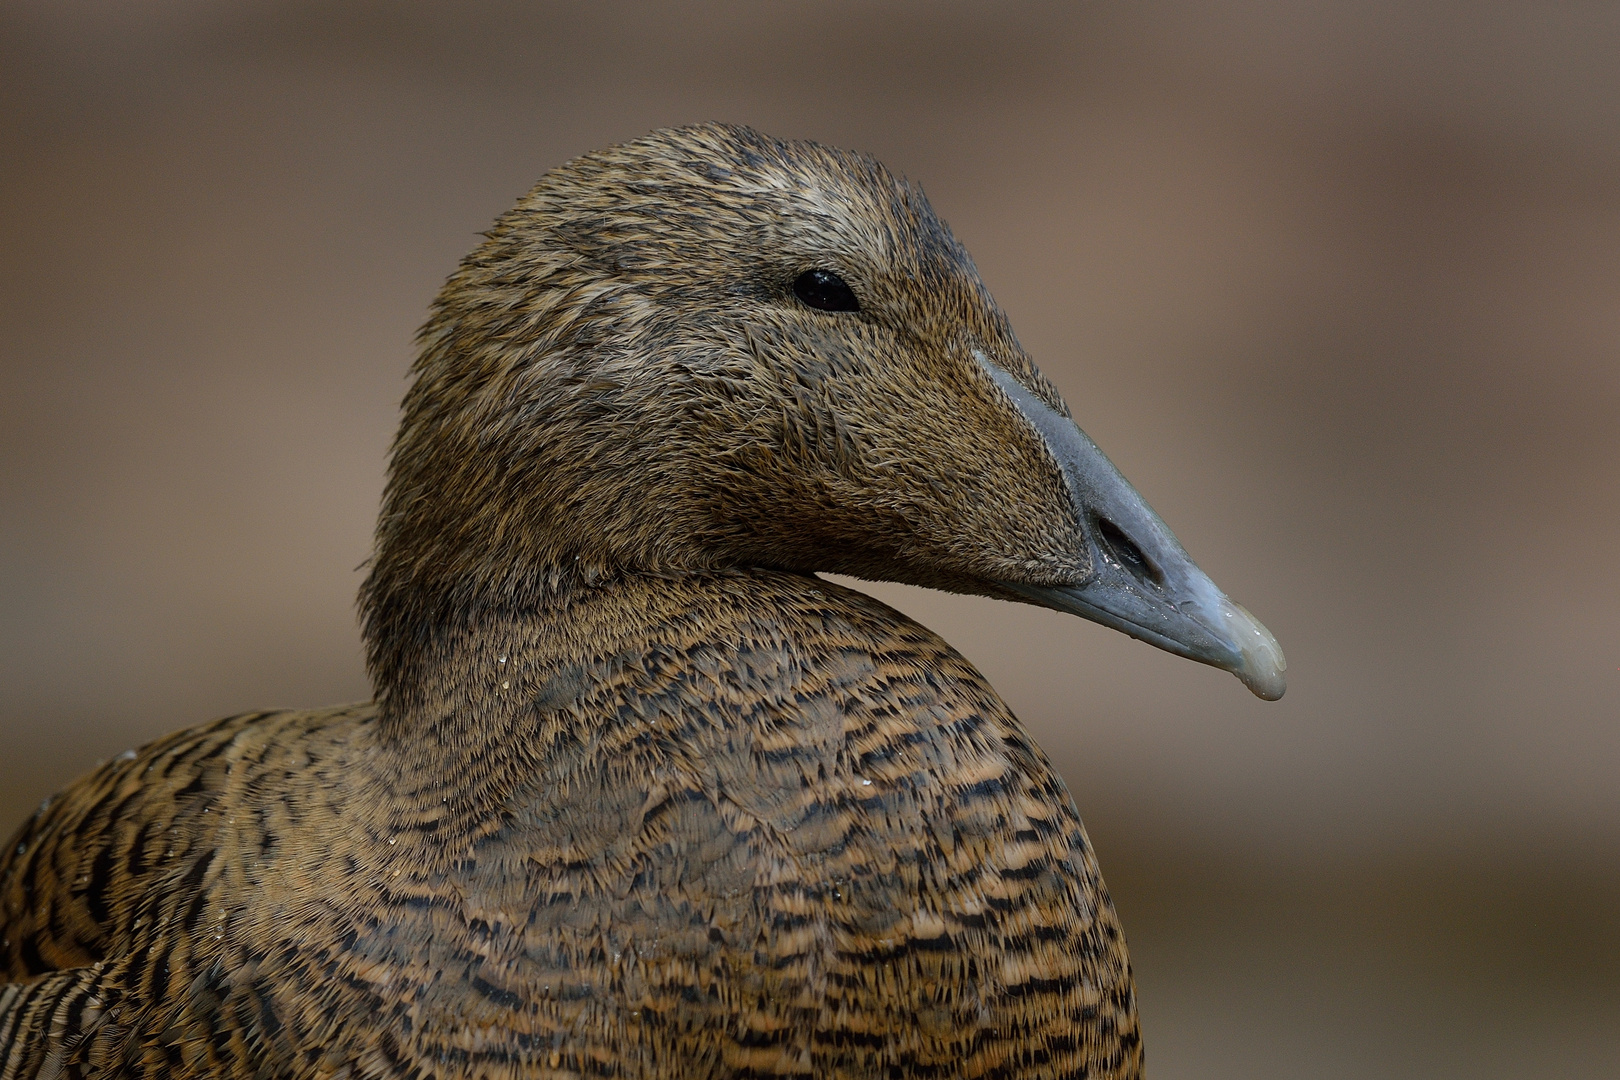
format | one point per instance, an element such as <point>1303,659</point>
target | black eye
<point>825,291</point>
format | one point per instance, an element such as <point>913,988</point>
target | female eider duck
<point>640,795</point>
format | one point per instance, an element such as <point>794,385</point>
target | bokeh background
<point>1337,284</point>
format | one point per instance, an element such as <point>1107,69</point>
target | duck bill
<point>1142,582</point>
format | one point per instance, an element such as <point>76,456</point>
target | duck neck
<point>483,701</point>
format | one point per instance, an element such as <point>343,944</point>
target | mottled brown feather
<point>640,796</point>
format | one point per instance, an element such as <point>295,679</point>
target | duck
<point>641,793</point>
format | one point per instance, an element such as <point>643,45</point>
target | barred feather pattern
<point>726,826</point>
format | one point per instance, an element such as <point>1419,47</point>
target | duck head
<point>711,350</point>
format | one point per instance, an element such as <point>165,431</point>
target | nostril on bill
<point>1127,554</point>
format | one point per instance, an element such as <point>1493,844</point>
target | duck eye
<point>825,291</point>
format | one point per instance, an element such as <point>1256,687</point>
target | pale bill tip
<point>1263,662</point>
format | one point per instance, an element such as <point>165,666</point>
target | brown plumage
<point>639,795</point>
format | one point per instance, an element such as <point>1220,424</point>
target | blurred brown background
<point>1337,284</point>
